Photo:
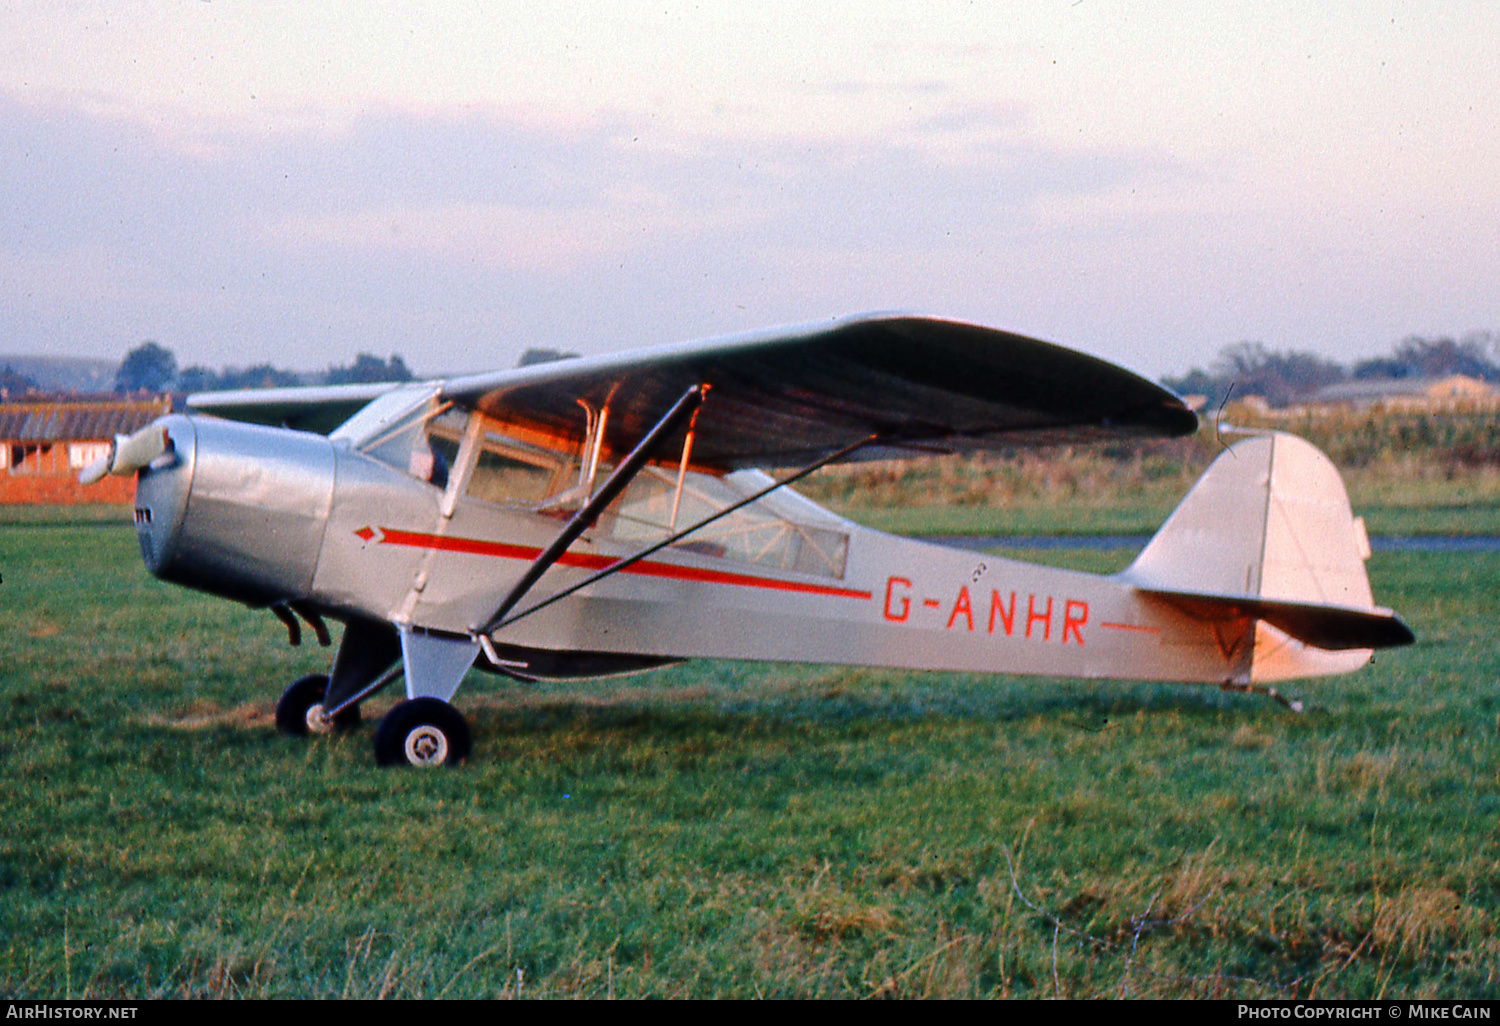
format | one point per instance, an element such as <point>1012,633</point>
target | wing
<point>790,396</point>
<point>319,409</point>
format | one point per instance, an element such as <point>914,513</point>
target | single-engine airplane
<point>603,515</point>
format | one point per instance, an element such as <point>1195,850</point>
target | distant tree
<point>1279,377</point>
<point>1249,368</point>
<point>149,367</point>
<point>262,375</point>
<point>13,382</point>
<point>1439,357</point>
<point>198,379</point>
<point>367,369</point>
<point>1381,367</point>
<point>1197,382</point>
<point>1417,357</point>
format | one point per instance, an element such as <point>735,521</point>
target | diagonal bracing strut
<point>589,512</point>
<point>499,620</point>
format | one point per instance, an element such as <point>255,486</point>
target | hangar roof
<point>63,421</point>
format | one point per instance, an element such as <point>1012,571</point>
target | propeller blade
<point>96,470</point>
<point>128,453</point>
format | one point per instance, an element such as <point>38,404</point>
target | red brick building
<point>44,444</point>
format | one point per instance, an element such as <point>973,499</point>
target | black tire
<point>422,732</point>
<point>295,715</point>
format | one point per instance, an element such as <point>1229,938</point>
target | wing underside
<point>920,385</point>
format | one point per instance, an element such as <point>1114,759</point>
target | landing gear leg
<point>1294,704</point>
<point>422,731</point>
<point>300,710</point>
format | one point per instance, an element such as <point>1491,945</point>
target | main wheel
<point>422,732</point>
<point>299,711</point>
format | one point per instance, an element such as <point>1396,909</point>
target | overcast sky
<point>299,182</point>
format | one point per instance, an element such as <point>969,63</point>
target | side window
<point>501,476</point>
<point>516,473</point>
<point>754,534</point>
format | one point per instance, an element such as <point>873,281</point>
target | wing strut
<point>589,512</point>
<point>496,622</point>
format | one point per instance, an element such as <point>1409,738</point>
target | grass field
<point>735,829</point>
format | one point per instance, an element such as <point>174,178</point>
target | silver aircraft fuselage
<point>271,516</point>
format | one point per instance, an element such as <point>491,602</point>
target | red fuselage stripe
<point>1129,627</point>
<point>587,561</point>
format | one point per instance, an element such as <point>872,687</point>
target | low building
<point>1456,391</point>
<point>44,445</point>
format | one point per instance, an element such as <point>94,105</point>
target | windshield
<point>421,441</point>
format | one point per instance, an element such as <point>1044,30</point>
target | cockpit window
<point>756,534</point>
<point>444,435</point>
<point>425,442</point>
<point>511,472</point>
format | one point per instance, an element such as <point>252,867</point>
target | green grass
<point>736,829</point>
<point>53,516</point>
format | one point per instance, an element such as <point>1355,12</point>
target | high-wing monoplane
<point>609,514</point>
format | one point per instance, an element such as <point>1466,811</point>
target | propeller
<point>128,453</point>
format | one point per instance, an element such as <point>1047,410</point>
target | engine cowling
<point>234,509</point>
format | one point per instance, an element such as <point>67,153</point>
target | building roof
<point>1370,390</point>
<point>63,421</point>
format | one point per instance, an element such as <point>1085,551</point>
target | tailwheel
<point>300,711</point>
<point>422,732</point>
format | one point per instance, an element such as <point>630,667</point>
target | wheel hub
<point>426,745</point>
<point>318,720</point>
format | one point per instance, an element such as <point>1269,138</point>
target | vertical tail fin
<point>1267,535</point>
<point>1269,519</point>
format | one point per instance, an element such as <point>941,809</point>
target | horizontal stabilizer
<point>1332,628</point>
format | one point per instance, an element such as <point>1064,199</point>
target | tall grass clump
<point>1408,472</point>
